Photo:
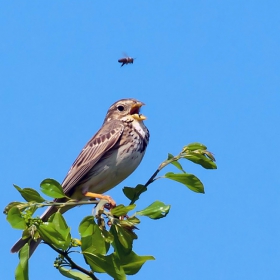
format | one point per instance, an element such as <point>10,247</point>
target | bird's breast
<point>118,163</point>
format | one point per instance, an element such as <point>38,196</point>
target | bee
<point>126,60</point>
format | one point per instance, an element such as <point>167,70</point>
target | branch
<point>72,263</point>
<point>162,165</point>
<point>67,203</point>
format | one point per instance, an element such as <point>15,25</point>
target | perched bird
<point>110,156</point>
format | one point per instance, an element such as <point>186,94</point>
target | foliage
<point>106,238</point>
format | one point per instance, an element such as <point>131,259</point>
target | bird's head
<point>126,109</point>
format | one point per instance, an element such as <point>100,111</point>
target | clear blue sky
<point>208,72</point>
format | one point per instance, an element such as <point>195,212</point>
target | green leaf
<point>130,222</point>
<point>210,155</point>
<point>50,235</point>
<point>195,146</point>
<point>129,261</point>
<point>109,264</point>
<point>125,237</point>
<point>120,250</point>
<point>15,219</point>
<point>108,237</point>
<point>30,194</point>
<point>87,226</point>
<point>133,220</point>
<point>21,206</point>
<point>52,188</point>
<point>21,272</point>
<point>189,180</point>
<point>53,233</point>
<point>26,234</point>
<point>134,193</point>
<point>69,273</point>
<point>175,162</point>
<point>92,238</point>
<point>58,221</point>
<point>132,263</point>
<point>156,210</point>
<point>122,210</point>
<point>200,159</point>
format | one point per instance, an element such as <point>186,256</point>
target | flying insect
<point>126,60</point>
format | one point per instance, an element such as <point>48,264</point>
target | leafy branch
<point>194,152</point>
<point>105,229</point>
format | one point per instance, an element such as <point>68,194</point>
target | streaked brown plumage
<point>110,156</point>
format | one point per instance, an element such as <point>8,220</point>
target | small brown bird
<point>110,156</point>
<point>126,60</point>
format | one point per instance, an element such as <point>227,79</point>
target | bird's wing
<point>97,146</point>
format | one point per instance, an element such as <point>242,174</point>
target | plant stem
<point>72,263</point>
<point>162,165</point>
<point>53,203</point>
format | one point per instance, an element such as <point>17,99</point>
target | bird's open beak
<point>134,111</point>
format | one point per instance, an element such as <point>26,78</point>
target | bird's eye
<point>120,108</point>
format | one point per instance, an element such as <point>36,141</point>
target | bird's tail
<point>21,242</point>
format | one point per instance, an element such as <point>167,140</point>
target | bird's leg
<point>110,200</point>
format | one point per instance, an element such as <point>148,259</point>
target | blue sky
<point>208,72</point>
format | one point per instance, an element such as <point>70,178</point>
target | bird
<point>108,158</point>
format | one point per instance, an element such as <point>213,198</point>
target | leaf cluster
<point>106,238</point>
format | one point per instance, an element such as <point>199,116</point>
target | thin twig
<point>68,203</point>
<point>153,178</point>
<point>72,263</point>
<point>162,165</point>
